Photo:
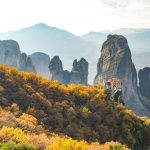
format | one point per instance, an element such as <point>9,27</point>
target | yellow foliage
<point>146,120</point>
<point>42,141</point>
<point>67,144</point>
<point>13,134</point>
<point>85,110</point>
<point>27,121</point>
<point>63,109</point>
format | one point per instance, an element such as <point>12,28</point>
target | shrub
<point>39,141</point>
<point>67,144</point>
<point>15,146</point>
<point>27,121</point>
<point>13,134</point>
<point>63,109</point>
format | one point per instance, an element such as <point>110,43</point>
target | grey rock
<point>78,75</point>
<point>81,67</point>
<point>144,82</point>
<point>26,63</point>
<point>115,61</point>
<point>75,77</point>
<point>10,54</point>
<point>41,62</point>
<point>144,86</point>
<point>55,65</point>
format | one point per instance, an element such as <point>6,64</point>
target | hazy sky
<point>76,16</point>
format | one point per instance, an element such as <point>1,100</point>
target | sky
<point>76,16</point>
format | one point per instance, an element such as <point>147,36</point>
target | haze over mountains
<point>54,41</point>
<point>138,38</point>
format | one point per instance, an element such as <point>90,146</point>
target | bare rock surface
<point>10,54</point>
<point>78,75</point>
<point>116,61</point>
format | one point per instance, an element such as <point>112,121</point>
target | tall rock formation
<point>144,86</point>
<point>144,82</point>
<point>78,75</point>
<point>10,54</point>
<point>115,61</point>
<point>81,67</point>
<point>41,62</point>
<point>26,63</point>
<point>56,70</point>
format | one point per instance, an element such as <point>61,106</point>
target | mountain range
<point>41,114</point>
<point>53,41</point>
<point>138,38</point>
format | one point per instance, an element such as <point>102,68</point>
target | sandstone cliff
<point>78,75</point>
<point>10,54</point>
<point>115,61</point>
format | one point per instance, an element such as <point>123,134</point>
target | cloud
<point>124,3</point>
<point>116,3</point>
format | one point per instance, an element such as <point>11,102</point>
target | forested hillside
<point>32,108</point>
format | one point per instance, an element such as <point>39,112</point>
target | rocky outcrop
<point>10,54</point>
<point>56,70</point>
<point>41,62</point>
<point>115,61</point>
<point>144,86</point>
<point>25,63</point>
<point>81,67</point>
<point>144,82</point>
<point>78,75</point>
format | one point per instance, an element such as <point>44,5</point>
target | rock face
<point>144,82</point>
<point>115,61</point>
<point>41,62</point>
<point>81,67</point>
<point>78,75</point>
<point>10,54</point>
<point>26,63</point>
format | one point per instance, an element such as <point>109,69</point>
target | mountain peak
<point>41,25</point>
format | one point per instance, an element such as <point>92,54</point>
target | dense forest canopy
<point>77,111</point>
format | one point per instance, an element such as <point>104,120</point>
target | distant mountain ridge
<point>54,42</point>
<point>50,40</point>
<point>57,42</point>
<point>138,38</point>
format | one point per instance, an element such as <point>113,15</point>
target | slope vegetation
<point>77,111</point>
